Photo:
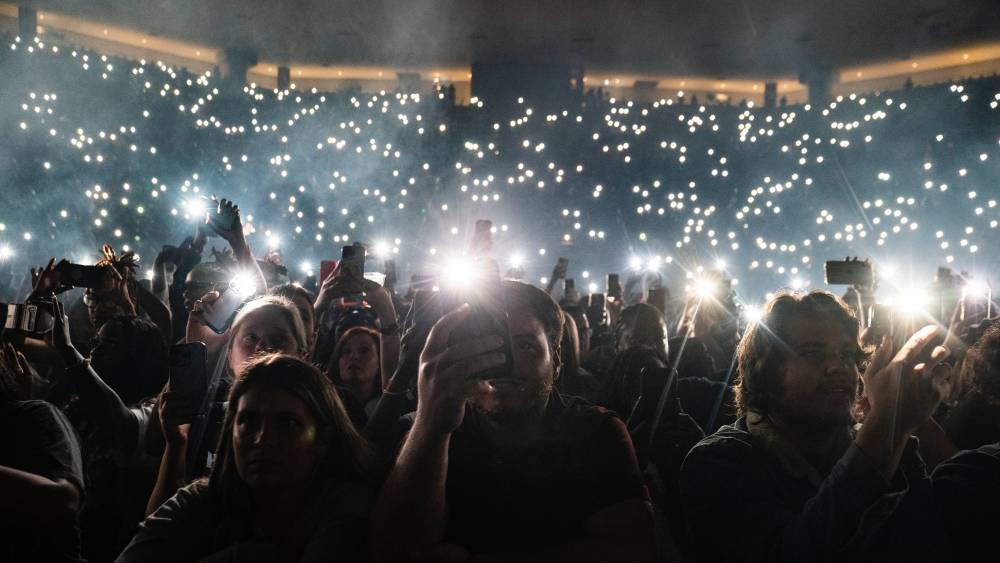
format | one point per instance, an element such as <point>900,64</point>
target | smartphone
<point>595,310</point>
<point>488,317</point>
<point>352,260</point>
<point>849,272</point>
<point>189,375</point>
<point>30,318</point>
<point>224,311</point>
<point>390,273</point>
<point>614,287</point>
<point>569,287</point>
<point>326,267</point>
<point>482,238</point>
<point>78,275</point>
<point>658,298</point>
<point>562,265</point>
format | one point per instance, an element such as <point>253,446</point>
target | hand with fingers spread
<point>907,386</point>
<point>47,281</point>
<point>232,233</point>
<point>447,373</point>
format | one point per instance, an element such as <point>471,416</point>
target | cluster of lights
<point>313,170</point>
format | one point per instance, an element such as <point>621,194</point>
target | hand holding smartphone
<point>189,378</point>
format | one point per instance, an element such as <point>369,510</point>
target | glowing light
<point>243,285</point>
<point>976,289</point>
<point>705,288</point>
<point>753,313</point>
<point>635,263</point>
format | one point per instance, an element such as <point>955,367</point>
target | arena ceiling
<point>723,38</point>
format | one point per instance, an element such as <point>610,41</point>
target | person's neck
<point>280,512</point>
<point>815,442</point>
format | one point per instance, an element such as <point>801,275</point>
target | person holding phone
<point>288,482</point>
<point>41,471</point>
<point>506,466</point>
<point>792,478</point>
<point>266,324</point>
<point>345,280</point>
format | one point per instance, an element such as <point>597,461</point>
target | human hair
<point>982,365</point>
<point>122,266</point>
<point>344,453</point>
<point>333,369</point>
<point>762,351</point>
<point>292,291</point>
<point>283,306</point>
<point>542,306</point>
<point>641,325</point>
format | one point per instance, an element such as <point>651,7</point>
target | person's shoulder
<point>729,442</point>
<point>968,464</point>
<point>40,412</point>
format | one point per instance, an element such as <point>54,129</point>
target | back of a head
<point>641,325</point>
<point>763,349</point>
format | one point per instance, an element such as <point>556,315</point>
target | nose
<point>265,435</point>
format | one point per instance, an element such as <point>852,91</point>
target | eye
<point>526,346</point>
<point>247,423</point>
<point>288,423</point>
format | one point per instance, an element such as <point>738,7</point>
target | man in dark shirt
<point>506,469</point>
<point>790,480</point>
<point>41,475</point>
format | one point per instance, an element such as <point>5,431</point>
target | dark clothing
<point>193,525</point>
<point>38,439</point>
<point>541,493</point>
<point>749,496</point>
<point>967,492</point>
<point>710,403</point>
<point>973,422</point>
<point>131,357</point>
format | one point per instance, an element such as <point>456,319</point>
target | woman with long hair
<point>264,325</point>
<point>287,484</point>
<point>354,368</point>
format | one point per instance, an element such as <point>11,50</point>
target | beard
<point>813,418</point>
<point>511,405</point>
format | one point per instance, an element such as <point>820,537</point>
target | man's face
<point>526,392</point>
<point>103,302</point>
<point>819,378</point>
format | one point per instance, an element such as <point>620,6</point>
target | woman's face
<point>358,363</point>
<point>264,330</point>
<point>276,444</point>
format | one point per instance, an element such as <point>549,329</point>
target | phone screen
<point>189,375</point>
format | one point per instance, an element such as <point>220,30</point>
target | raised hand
<point>446,379</point>
<point>46,281</point>
<point>907,386</point>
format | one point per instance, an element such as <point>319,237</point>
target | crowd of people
<point>208,409</point>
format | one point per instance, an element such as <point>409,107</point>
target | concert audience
<point>579,433</point>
